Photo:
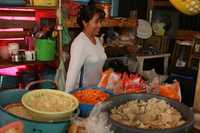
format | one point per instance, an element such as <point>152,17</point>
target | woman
<point>87,53</point>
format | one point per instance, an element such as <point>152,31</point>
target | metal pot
<point>28,76</point>
<point>121,99</point>
<point>30,126</point>
<point>9,82</point>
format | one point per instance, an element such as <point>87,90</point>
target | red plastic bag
<point>122,82</point>
<point>132,83</point>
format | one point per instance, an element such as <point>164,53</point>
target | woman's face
<point>93,26</point>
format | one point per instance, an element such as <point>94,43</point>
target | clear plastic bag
<point>97,121</point>
<point>60,77</point>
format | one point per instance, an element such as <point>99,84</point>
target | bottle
<point>29,40</point>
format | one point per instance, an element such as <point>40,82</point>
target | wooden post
<point>150,4</point>
<point>59,24</point>
<point>196,106</point>
<point>197,93</point>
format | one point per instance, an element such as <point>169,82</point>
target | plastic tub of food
<point>49,105</point>
<point>86,106</point>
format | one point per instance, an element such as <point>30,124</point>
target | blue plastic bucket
<point>30,126</point>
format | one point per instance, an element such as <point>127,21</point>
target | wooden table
<point>141,58</point>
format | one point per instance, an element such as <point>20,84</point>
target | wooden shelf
<point>42,7</point>
<point>37,12</point>
<point>31,7</point>
<point>108,22</point>
<point>158,3</point>
<point>196,56</point>
<point>161,3</point>
<point>186,34</point>
<point>7,63</point>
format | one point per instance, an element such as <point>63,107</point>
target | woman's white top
<point>84,52</point>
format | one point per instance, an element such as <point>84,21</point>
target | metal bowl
<point>115,101</point>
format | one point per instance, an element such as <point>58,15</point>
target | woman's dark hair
<point>86,13</point>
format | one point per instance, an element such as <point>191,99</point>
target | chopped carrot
<point>90,96</point>
<point>15,127</point>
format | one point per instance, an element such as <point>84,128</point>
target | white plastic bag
<point>98,121</point>
<point>60,77</point>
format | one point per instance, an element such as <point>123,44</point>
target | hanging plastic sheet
<point>66,38</point>
<point>61,74</point>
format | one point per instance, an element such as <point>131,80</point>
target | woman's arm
<point>78,56</point>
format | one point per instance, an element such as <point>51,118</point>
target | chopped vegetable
<point>14,127</point>
<point>91,96</point>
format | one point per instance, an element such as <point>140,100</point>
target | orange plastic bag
<point>121,83</point>
<point>104,78</point>
<point>171,91</point>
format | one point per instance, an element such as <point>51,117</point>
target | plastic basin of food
<point>84,108</point>
<point>49,116</point>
